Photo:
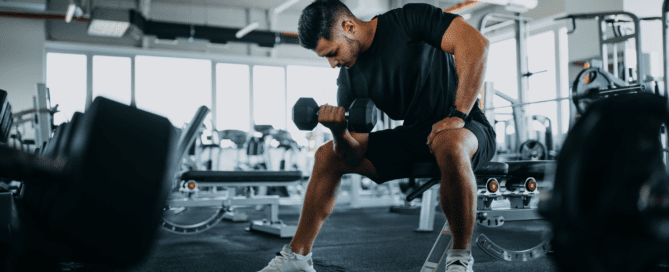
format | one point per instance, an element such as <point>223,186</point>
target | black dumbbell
<point>361,115</point>
<point>112,150</point>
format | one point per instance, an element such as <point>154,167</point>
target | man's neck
<point>370,31</point>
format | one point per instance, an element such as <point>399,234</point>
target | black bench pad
<point>431,170</point>
<point>237,176</point>
<point>535,169</point>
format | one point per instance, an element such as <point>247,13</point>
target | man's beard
<point>354,47</point>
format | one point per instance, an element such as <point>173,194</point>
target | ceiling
<point>260,4</point>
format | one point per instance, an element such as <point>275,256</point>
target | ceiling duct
<point>117,23</point>
<point>34,6</point>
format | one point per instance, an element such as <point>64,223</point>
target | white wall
<point>546,8</point>
<point>21,59</point>
<point>584,44</point>
<point>651,31</point>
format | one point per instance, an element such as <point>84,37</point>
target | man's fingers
<point>341,113</point>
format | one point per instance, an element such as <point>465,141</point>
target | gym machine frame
<point>519,116</point>
<point>665,37</point>
<point>604,40</point>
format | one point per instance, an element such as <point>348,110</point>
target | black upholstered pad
<point>493,169</point>
<point>431,170</point>
<point>241,176</point>
<point>535,169</point>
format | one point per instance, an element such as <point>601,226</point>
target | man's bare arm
<point>470,49</point>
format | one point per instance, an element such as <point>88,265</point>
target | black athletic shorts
<point>394,151</point>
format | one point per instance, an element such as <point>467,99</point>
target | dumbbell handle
<point>23,166</point>
<point>346,114</point>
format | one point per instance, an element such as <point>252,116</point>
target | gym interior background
<point>249,79</point>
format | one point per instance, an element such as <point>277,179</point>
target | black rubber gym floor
<point>369,240</point>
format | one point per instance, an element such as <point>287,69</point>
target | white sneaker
<point>459,260</point>
<point>288,261</point>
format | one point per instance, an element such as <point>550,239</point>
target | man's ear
<point>349,28</point>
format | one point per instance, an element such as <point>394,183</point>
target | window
<point>172,87</point>
<point>502,72</point>
<point>66,80</point>
<point>319,83</point>
<point>232,96</point>
<point>111,78</point>
<point>269,96</point>
<point>541,57</point>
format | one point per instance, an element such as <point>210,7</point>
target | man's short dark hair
<point>317,20</point>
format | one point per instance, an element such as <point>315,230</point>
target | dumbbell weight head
<point>361,114</point>
<point>112,186</point>
<point>124,159</point>
<point>305,113</point>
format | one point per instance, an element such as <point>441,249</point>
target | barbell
<point>600,84</point>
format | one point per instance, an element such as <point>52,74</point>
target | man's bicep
<point>344,97</point>
<point>461,33</point>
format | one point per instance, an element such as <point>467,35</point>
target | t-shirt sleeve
<point>344,95</point>
<point>426,22</point>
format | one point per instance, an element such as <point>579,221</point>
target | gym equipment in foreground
<point>361,115</point>
<point>117,150</point>
<point>609,207</point>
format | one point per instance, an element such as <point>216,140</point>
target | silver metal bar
<point>665,36</point>
<point>615,60</point>
<point>133,100</point>
<point>245,183</point>
<point>497,26</point>
<point>214,105</point>
<point>506,97</point>
<point>489,95</point>
<point>89,80</point>
<point>559,83</point>
<point>43,115</point>
<point>426,221</point>
<point>222,201</point>
<point>639,52</point>
<point>523,82</point>
<point>251,115</point>
<point>602,36</point>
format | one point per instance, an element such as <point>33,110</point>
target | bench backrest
<point>191,132</point>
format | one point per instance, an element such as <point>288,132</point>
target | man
<point>397,59</point>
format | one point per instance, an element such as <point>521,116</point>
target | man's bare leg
<point>322,190</point>
<point>453,150</point>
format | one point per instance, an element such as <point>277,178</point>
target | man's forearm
<point>471,63</point>
<point>347,148</point>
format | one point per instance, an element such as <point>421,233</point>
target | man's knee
<point>326,157</point>
<point>454,147</point>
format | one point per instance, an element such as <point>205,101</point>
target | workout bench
<point>190,182</point>
<point>521,180</point>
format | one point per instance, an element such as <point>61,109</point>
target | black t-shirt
<point>404,71</point>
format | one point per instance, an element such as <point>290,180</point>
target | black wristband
<point>456,113</point>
